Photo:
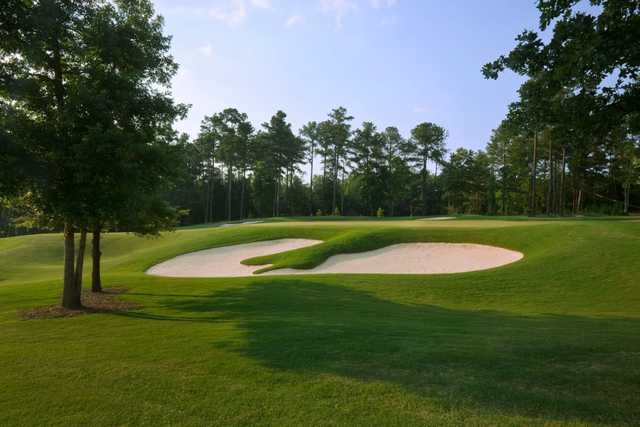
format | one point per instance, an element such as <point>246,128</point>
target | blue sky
<point>393,62</point>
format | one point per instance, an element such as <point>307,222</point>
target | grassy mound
<point>549,340</point>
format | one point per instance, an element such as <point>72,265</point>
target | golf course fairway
<point>552,339</point>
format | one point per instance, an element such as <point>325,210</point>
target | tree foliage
<point>84,101</point>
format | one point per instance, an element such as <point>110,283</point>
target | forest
<point>235,172</point>
<point>570,144</point>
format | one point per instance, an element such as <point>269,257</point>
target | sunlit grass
<point>552,339</point>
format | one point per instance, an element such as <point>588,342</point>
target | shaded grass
<point>485,360</point>
<point>550,340</point>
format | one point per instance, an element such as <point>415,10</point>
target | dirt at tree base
<point>106,301</point>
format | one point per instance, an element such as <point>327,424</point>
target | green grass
<point>553,339</point>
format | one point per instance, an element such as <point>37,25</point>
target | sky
<point>392,62</point>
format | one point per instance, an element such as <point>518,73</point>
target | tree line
<point>235,171</point>
<point>569,145</point>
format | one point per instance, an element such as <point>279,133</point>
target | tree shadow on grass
<point>562,368</point>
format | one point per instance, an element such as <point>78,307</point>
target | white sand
<point>405,258</point>
<point>415,258</point>
<point>225,261</point>
<point>437,218</point>
<point>233,224</point>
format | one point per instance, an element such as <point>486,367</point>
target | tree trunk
<point>209,192</point>
<point>627,191</point>
<point>579,202</point>
<point>342,194</point>
<point>70,293</point>
<point>311,183</point>
<point>229,172</point>
<point>324,181</point>
<point>210,195</point>
<point>205,207</point>
<point>278,196</point>
<point>504,179</point>
<point>96,279</point>
<point>335,182</point>
<point>550,183</point>
<point>285,200</point>
<point>562,173</point>
<point>273,200</point>
<point>80,259</point>
<point>534,161</point>
<point>423,186</point>
<point>212,213</point>
<point>242,185</point>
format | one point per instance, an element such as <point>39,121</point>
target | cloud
<point>183,10</point>
<point>294,20</point>
<point>338,8</point>
<point>262,4</point>
<point>206,50</point>
<point>235,12</point>
<point>232,14</point>
<point>377,4</point>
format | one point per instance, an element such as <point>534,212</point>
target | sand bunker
<point>233,224</point>
<point>225,261</point>
<point>437,218</point>
<point>405,258</point>
<point>415,258</point>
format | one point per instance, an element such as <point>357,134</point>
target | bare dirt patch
<point>106,301</point>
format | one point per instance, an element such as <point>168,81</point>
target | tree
<point>325,149</point>
<point>280,151</point>
<point>40,64</point>
<point>427,139</point>
<point>587,53</point>
<point>629,164</point>
<point>226,136</point>
<point>90,113</point>
<point>334,135</point>
<point>505,151</point>
<point>309,135</point>
<point>582,84</point>
<point>469,182</point>
<point>206,144</point>
<point>136,157</point>
<point>393,143</point>
<point>366,151</point>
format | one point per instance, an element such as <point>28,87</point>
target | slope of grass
<point>550,340</point>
